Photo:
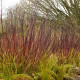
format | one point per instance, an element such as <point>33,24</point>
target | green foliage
<point>45,68</point>
<point>50,70</point>
<point>77,60</point>
<point>8,68</point>
<point>21,77</point>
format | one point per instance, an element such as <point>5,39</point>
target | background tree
<point>63,12</point>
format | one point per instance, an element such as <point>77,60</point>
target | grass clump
<point>22,77</point>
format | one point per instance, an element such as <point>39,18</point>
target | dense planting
<point>37,48</point>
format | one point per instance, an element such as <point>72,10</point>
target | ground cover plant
<point>32,47</point>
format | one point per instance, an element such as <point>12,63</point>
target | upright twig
<point>1,17</point>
